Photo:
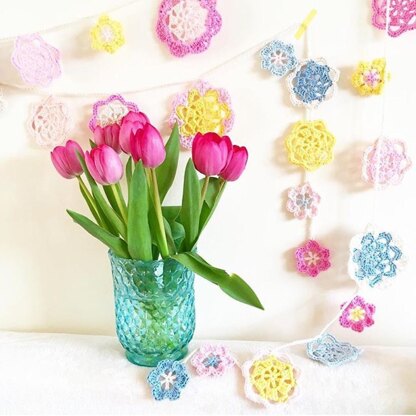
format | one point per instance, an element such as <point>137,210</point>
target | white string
<point>82,19</point>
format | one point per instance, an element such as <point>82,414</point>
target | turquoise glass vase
<point>155,308</point>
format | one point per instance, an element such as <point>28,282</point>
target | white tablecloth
<point>79,374</point>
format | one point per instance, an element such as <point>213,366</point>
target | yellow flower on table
<point>107,35</point>
<point>370,77</point>
<point>310,145</point>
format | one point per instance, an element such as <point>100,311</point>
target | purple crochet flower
<point>212,360</point>
<point>38,62</point>
<point>187,26</point>
<point>357,315</point>
<point>311,258</point>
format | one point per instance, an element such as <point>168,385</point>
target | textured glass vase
<point>155,308</point>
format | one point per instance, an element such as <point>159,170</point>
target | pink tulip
<point>104,164</point>
<point>211,153</point>
<point>65,159</point>
<point>131,123</point>
<point>147,145</point>
<point>108,135</point>
<point>236,165</point>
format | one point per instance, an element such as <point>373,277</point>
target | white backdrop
<point>55,277</point>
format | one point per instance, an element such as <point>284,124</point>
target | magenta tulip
<point>65,159</point>
<point>236,165</point>
<point>131,123</point>
<point>104,164</point>
<point>147,145</point>
<point>108,135</point>
<point>211,153</point>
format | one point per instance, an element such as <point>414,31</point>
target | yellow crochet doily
<point>273,379</point>
<point>310,144</point>
<point>107,35</point>
<point>370,77</point>
<point>203,113</point>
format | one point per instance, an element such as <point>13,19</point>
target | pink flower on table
<point>212,360</point>
<point>104,165</point>
<point>38,62</point>
<point>358,314</point>
<point>303,201</point>
<point>311,258</point>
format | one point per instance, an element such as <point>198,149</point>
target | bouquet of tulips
<point>140,227</point>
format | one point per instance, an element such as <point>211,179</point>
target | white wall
<point>54,277</point>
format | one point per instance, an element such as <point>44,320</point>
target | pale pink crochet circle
<point>312,259</point>
<point>303,201</point>
<point>212,360</point>
<point>110,111</point>
<point>187,26</point>
<point>402,16</point>
<point>38,62</point>
<point>385,162</point>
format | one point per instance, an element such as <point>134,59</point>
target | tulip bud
<point>236,165</point>
<point>108,135</point>
<point>147,145</point>
<point>211,153</point>
<point>65,159</point>
<point>131,123</point>
<point>104,165</point>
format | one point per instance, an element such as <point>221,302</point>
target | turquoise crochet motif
<point>278,58</point>
<point>168,379</point>
<point>327,350</point>
<point>376,258</point>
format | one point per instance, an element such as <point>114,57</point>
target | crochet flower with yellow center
<point>310,144</point>
<point>203,113</point>
<point>107,35</point>
<point>370,77</point>
<point>273,379</point>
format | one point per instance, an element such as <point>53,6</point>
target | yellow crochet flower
<point>370,77</point>
<point>310,144</point>
<point>107,35</point>
<point>273,379</point>
<point>203,113</point>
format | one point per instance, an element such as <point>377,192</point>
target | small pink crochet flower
<point>385,163</point>
<point>357,315</point>
<point>311,259</point>
<point>402,16</point>
<point>38,62</point>
<point>187,26</point>
<point>303,201</point>
<point>212,360</point>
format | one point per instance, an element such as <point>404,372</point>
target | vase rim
<point>111,254</point>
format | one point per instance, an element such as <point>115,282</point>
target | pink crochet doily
<point>402,16</point>
<point>110,111</point>
<point>38,62</point>
<point>187,26</point>
<point>212,360</point>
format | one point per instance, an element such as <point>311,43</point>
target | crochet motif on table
<point>327,350</point>
<point>358,314</point>
<point>303,201</point>
<point>212,360</point>
<point>187,26</point>
<point>38,62</point>
<point>369,78</point>
<point>278,57</point>
<point>201,109</point>
<point>270,379</point>
<point>375,258</point>
<point>168,379</point>
<point>49,122</point>
<point>385,163</point>
<point>310,145</point>
<point>110,111</point>
<point>107,35</point>
<point>402,16</point>
<point>312,82</point>
<point>312,259</point>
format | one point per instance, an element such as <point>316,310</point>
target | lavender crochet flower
<point>278,58</point>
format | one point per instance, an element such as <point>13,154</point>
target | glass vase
<point>155,308</point>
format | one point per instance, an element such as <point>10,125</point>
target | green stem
<point>204,189</point>
<point>164,251</point>
<point>121,204</point>
<point>89,200</point>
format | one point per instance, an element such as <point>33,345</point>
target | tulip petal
<point>58,160</point>
<point>152,147</point>
<point>71,150</point>
<point>111,164</point>
<point>92,169</point>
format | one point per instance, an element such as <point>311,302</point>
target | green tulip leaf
<point>171,212</point>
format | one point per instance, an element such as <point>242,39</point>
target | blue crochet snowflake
<point>376,258</point>
<point>278,58</point>
<point>331,352</point>
<point>168,379</point>
<point>312,82</point>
